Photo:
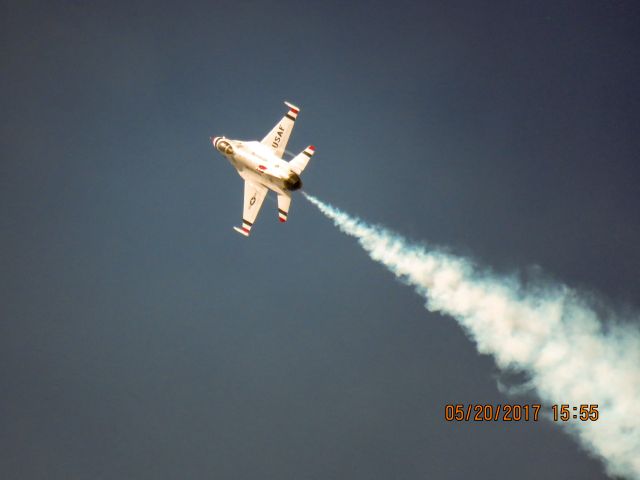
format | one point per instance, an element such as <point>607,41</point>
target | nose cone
<point>214,140</point>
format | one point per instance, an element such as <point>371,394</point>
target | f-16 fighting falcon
<point>261,166</point>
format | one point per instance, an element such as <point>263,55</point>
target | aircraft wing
<point>278,137</point>
<point>253,197</point>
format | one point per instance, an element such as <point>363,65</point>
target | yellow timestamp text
<point>585,412</point>
<point>489,412</point>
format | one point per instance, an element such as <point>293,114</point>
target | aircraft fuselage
<point>257,163</point>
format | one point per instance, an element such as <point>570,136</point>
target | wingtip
<point>241,231</point>
<point>292,106</point>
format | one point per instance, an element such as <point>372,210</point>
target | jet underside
<point>255,164</point>
<point>262,168</point>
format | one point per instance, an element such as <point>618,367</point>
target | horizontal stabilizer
<point>299,162</point>
<point>284,202</point>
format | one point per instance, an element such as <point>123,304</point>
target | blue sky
<point>141,337</point>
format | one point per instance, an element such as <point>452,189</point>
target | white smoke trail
<point>551,334</point>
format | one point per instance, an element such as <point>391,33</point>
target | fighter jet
<point>261,166</point>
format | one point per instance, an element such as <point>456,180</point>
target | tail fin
<point>300,161</point>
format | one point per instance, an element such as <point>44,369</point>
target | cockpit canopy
<point>223,145</point>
